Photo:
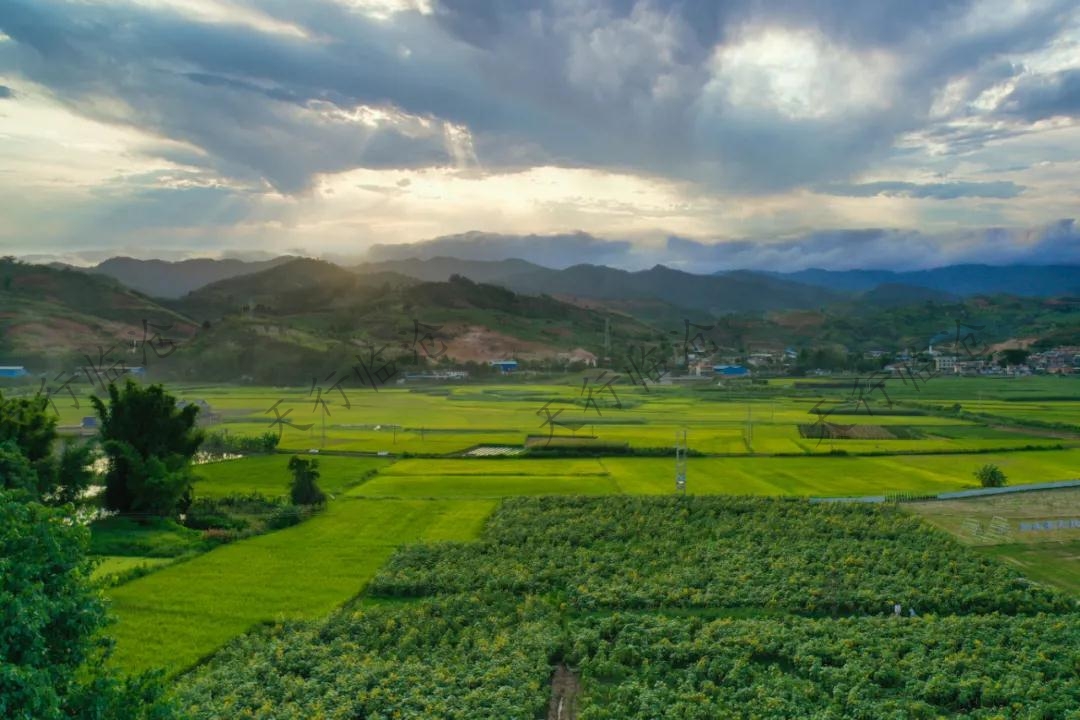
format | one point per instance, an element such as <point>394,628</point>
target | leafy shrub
<point>221,442</point>
<point>990,476</point>
<point>284,517</point>
<point>699,551</point>
<point>458,658</point>
<point>143,537</point>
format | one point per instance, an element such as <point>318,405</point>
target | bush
<point>206,514</point>
<point>222,442</point>
<point>304,490</point>
<point>284,517</point>
<point>990,476</point>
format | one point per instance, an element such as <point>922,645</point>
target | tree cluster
<point>149,443</point>
<point>52,652</point>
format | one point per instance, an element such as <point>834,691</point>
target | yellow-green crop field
<point>185,611</point>
<point>444,421</point>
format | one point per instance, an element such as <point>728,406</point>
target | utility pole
<point>607,340</point>
<point>749,427</point>
<point>680,461</point>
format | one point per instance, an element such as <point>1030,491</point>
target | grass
<point>814,476</point>
<point>269,475</point>
<point>453,478</point>
<point>1054,563</point>
<point>147,538</point>
<point>180,614</point>
<point>1051,556</point>
<point>398,420</point>
<point>113,564</point>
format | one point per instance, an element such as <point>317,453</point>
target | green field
<point>616,609</point>
<point>269,475</point>
<point>817,476</point>
<point>179,614</point>
<point>431,420</point>
<point>115,564</point>
<point>307,570</point>
<point>1051,556</point>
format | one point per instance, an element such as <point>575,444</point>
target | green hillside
<point>49,316</point>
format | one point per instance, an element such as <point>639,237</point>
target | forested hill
<point>275,325</point>
<point>279,320</point>
<point>49,315</point>
<point>173,279</point>
<point>959,280</point>
<point>731,292</point>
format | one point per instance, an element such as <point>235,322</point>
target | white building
<point>945,363</point>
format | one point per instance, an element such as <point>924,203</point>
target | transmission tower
<point>680,461</point>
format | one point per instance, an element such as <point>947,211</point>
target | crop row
<point>474,657</point>
<point>792,555</point>
<point>679,668</point>
<point>455,658</point>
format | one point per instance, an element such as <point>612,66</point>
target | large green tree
<point>149,443</point>
<point>52,655</point>
<point>28,436</point>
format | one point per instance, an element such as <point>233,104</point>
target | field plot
<point>1054,411</point>
<point>452,420</point>
<point>996,526</point>
<point>182,613</point>
<point>269,475</point>
<point>627,553</point>
<point>637,666</point>
<point>464,658</point>
<point>799,475</point>
<point>489,478</point>
<point>485,654</point>
<point>115,564</point>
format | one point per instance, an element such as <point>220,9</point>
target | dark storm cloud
<point>938,191</point>
<point>619,84</point>
<point>1044,97</point>
<point>6,92</point>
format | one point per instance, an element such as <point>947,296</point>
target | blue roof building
<point>505,365</point>
<point>731,371</point>
<point>12,371</point>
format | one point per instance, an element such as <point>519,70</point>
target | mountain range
<point>278,321</point>
<point>736,291</point>
<point>958,280</point>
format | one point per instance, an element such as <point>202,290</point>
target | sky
<point>702,134</point>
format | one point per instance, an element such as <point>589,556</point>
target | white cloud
<point>800,74</point>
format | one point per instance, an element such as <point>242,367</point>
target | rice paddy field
<point>393,463</point>
<point>174,617</point>
<point>451,420</point>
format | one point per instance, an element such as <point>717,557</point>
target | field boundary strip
<point>959,494</point>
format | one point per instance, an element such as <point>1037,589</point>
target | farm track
<point>565,688</point>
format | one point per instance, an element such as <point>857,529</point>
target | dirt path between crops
<point>565,688</point>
